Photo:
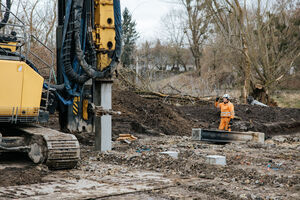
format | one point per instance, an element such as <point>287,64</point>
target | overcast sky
<point>148,14</point>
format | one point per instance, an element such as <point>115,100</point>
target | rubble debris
<point>245,170</point>
<point>143,149</point>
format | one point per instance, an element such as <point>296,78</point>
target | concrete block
<point>216,160</point>
<point>196,134</point>
<point>173,154</point>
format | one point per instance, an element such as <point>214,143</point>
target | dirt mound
<point>153,116</point>
<point>141,115</point>
<point>269,120</point>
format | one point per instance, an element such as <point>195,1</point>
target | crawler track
<point>59,150</point>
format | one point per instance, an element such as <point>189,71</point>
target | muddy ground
<point>139,171</point>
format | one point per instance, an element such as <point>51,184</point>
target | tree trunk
<point>261,93</point>
<point>198,65</point>
<point>247,70</point>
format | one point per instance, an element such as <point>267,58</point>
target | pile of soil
<point>153,116</point>
<point>150,116</point>
<point>158,117</point>
<point>270,120</point>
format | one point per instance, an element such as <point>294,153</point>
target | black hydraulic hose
<point>91,53</point>
<point>89,69</point>
<point>60,87</point>
<point>72,75</point>
<point>118,28</point>
<point>6,15</point>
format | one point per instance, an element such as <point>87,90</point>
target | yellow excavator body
<point>11,46</point>
<point>21,89</point>
<point>23,102</point>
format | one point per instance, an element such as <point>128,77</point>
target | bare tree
<point>275,44</point>
<point>197,27</point>
<point>174,27</point>
<point>40,17</point>
<point>229,17</point>
<point>263,37</point>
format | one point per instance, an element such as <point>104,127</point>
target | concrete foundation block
<point>173,154</point>
<point>216,160</point>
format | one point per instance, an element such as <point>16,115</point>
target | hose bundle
<point>6,15</point>
<point>78,56</point>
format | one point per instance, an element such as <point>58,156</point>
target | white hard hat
<point>226,96</point>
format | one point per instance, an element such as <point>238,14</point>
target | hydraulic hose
<point>78,44</point>
<point>118,27</point>
<point>91,52</point>
<point>60,87</point>
<point>72,75</point>
<point>90,70</point>
<point>6,15</point>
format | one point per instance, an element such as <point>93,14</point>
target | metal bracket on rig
<point>99,111</point>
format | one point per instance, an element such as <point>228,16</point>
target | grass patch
<point>288,99</point>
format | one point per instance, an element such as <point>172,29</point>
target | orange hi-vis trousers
<point>227,113</point>
<point>224,124</point>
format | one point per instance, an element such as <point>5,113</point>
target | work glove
<point>231,122</point>
<point>218,98</point>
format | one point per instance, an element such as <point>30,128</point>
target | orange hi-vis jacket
<point>227,109</point>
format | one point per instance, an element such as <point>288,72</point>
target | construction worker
<point>227,112</point>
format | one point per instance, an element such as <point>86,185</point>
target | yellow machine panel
<point>104,33</point>
<point>12,46</point>
<point>20,89</point>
